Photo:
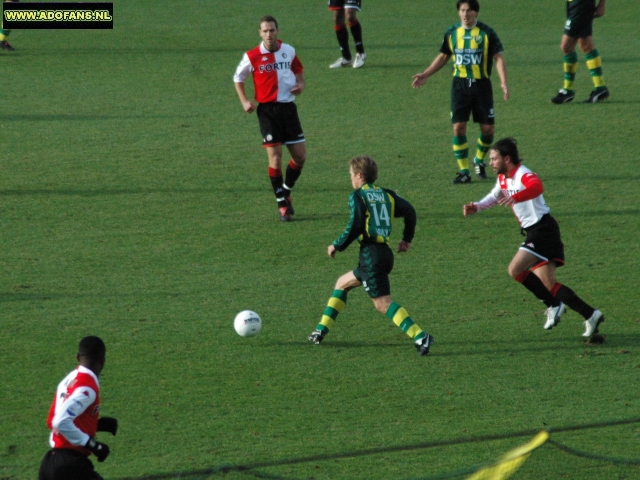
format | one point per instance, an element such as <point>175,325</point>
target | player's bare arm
<point>419,79</point>
<point>331,251</point>
<point>300,84</point>
<point>600,9</point>
<point>469,209</point>
<point>501,68</point>
<point>248,105</point>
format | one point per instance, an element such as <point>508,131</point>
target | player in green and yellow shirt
<point>473,46</point>
<point>578,30</point>
<point>372,211</point>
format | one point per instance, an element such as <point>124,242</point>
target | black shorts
<point>579,22</point>
<point>279,123</point>
<point>543,240</point>
<point>469,95</point>
<point>340,4</point>
<point>66,464</point>
<point>374,266</point>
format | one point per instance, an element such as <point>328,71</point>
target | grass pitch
<point>136,206</point>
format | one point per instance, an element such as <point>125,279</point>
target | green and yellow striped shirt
<point>472,50</point>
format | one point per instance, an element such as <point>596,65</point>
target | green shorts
<point>374,266</point>
<point>579,25</point>
<point>469,95</point>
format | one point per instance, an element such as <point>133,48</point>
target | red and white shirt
<point>73,416</point>
<point>525,189</point>
<point>274,73</point>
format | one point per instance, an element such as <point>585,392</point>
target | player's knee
<point>514,272</point>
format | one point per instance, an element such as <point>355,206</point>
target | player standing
<point>578,29</point>
<point>277,77</point>
<point>348,9</point>
<point>473,46</point>
<point>73,419</point>
<point>372,210</point>
<point>535,263</point>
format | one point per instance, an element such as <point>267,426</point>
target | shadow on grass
<point>54,117</point>
<point>492,347</point>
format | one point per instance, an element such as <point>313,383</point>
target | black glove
<point>100,450</point>
<point>108,424</point>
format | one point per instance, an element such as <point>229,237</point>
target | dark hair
<point>92,347</point>
<point>508,146</point>
<point>268,19</point>
<point>366,166</point>
<point>473,5</point>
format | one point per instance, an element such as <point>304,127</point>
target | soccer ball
<point>247,323</point>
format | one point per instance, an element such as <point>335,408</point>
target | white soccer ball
<point>247,323</point>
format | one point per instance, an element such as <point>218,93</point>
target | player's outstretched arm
<point>248,105</point>
<point>419,79</point>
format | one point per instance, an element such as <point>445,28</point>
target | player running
<point>535,263</point>
<point>372,211</point>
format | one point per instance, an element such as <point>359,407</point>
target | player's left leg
<point>485,140</point>
<point>594,63</point>
<point>335,305</point>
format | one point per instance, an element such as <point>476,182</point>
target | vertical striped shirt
<point>471,49</point>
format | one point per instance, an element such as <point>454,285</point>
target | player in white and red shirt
<point>535,263</point>
<point>278,77</point>
<point>74,419</point>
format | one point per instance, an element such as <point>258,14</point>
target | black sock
<point>356,32</point>
<point>275,176</point>
<point>343,40</point>
<point>532,283</point>
<point>573,301</point>
<point>293,174</point>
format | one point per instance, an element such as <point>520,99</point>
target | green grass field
<point>135,205</point>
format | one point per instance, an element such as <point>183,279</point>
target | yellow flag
<point>511,461</point>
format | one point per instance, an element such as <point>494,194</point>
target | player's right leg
<point>274,153</point>
<point>570,65</point>
<point>461,106</point>
<point>342,34</point>
<point>461,152</point>
<point>335,305</point>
